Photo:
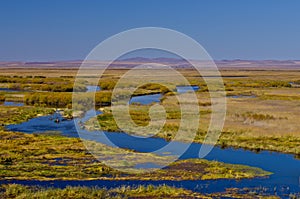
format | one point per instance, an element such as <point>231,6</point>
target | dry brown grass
<point>274,112</point>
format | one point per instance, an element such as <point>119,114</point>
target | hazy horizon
<point>148,58</point>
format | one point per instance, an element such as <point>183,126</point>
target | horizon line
<point>136,58</point>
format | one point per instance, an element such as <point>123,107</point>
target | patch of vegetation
<point>154,88</point>
<point>140,116</point>
<point>15,115</point>
<point>241,93</point>
<point>253,193</point>
<point>64,99</point>
<point>255,116</point>
<point>41,83</point>
<point>286,144</point>
<point>50,157</point>
<point>2,98</point>
<point>254,83</point>
<point>107,84</point>
<point>11,191</point>
<point>195,169</point>
<point>57,100</point>
<point>279,97</point>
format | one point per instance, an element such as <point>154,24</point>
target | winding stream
<point>285,167</point>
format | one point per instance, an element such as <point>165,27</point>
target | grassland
<point>265,120</point>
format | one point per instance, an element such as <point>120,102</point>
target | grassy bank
<point>15,115</point>
<point>11,191</point>
<point>18,191</point>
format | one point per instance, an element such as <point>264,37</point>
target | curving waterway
<point>285,167</point>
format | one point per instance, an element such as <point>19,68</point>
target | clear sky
<point>36,30</point>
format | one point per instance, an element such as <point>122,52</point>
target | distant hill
<point>176,63</point>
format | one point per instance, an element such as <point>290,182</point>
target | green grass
<point>12,191</point>
<point>40,83</point>
<point>287,144</point>
<point>33,192</point>
<point>195,169</point>
<point>50,157</point>
<point>83,101</point>
<point>14,115</point>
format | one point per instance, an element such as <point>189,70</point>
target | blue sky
<point>34,30</point>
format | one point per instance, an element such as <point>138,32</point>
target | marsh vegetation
<point>52,157</point>
<point>267,121</point>
<point>11,191</point>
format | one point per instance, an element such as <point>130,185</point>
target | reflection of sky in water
<point>92,88</point>
<point>184,89</point>
<point>8,90</point>
<point>145,99</point>
<point>6,103</point>
<point>148,99</point>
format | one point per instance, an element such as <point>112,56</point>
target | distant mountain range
<point>176,63</point>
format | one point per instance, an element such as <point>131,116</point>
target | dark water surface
<point>8,103</point>
<point>8,90</point>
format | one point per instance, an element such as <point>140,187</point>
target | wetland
<point>257,149</point>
